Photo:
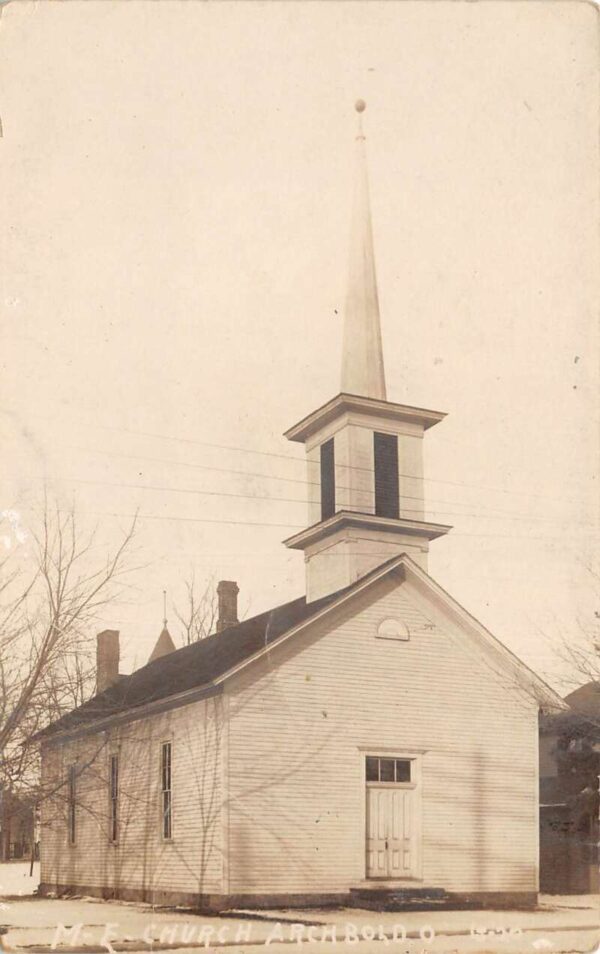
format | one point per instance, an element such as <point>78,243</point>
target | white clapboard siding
<point>300,721</point>
<point>192,861</point>
<point>291,815</point>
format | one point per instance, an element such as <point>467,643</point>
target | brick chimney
<point>227,591</point>
<point>107,659</point>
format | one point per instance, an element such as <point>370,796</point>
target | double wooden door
<point>392,831</point>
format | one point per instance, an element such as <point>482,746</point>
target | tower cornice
<point>364,521</point>
<point>374,407</point>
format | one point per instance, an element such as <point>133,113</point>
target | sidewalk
<point>87,925</point>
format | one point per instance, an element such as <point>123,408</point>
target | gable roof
<point>586,700</point>
<point>198,664</point>
<point>205,664</point>
<point>582,718</point>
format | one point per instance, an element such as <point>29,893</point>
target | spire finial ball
<point>360,105</point>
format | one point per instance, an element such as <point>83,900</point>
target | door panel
<point>377,812</point>
<point>400,835</point>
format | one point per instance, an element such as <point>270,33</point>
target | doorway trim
<point>415,756</point>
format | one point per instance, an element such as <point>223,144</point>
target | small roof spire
<point>164,644</point>
<point>362,357</point>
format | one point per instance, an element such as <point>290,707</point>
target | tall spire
<point>362,358</point>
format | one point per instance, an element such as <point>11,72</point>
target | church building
<point>369,742</point>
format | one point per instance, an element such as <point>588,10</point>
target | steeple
<point>362,355</point>
<point>364,453</point>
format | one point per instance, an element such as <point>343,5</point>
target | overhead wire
<point>427,505</point>
<point>289,526</point>
<point>295,480</point>
<point>300,460</point>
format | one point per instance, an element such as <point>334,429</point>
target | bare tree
<point>579,650</point>
<point>198,615</point>
<point>48,611</point>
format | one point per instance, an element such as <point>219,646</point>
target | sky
<point>176,193</point>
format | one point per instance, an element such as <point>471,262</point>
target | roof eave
<point>215,686</point>
<point>131,714</point>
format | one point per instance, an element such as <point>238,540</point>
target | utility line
<point>290,526</point>
<point>484,515</point>
<point>293,480</point>
<point>289,457</point>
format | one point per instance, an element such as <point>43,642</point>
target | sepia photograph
<point>300,443</point>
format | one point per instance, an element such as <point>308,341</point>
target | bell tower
<point>364,453</point>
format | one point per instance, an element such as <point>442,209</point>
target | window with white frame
<point>114,798</point>
<point>388,769</point>
<point>166,756</point>
<point>71,801</point>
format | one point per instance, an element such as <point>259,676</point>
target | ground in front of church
<point>561,925</point>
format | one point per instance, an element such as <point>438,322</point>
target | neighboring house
<point>569,803</point>
<point>17,826</point>
<point>369,739</point>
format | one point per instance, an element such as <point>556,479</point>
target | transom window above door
<point>387,770</point>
